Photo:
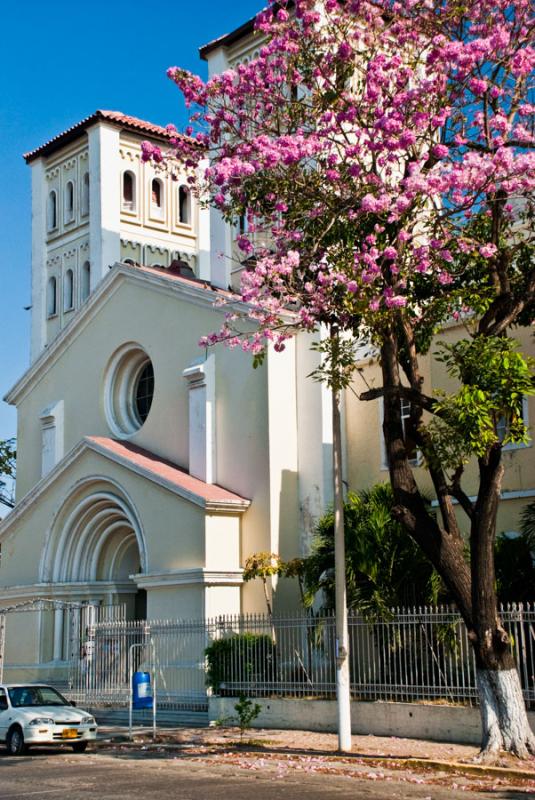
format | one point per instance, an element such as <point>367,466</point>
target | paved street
<point>136,775</point>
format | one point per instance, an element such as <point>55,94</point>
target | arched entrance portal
<point>95,544</point>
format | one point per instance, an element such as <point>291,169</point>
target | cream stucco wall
<point>255,425</point>
<point>78,374</point>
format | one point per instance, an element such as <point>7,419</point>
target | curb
<point>472,769</point>
<point>422,763</point>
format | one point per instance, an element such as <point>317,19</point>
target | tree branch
<point>457,492</point>
<point>412,395</point>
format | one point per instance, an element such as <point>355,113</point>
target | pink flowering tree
<point>382,154</point>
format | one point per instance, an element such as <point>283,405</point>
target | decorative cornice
<point>185,577</point>
<point>156,248</point>
<point>60,591</point>
<point>195,374</point>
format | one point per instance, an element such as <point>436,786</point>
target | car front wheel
<point>15,742</point>
<point>79,747</point>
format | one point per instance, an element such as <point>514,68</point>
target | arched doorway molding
<point>91,534</point>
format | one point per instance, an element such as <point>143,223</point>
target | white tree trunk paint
<point>504,719</point>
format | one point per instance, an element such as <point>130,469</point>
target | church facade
<point>148,468</point>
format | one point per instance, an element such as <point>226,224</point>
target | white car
<point>36,714</point>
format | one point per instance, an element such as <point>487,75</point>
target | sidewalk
<point>284,751</point>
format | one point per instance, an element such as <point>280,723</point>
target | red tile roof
<point>168,472</point>
<point>174,275</point>
<point>115,117</point>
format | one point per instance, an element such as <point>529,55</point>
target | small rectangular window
<point>414,455</point>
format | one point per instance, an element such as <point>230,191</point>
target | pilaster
<point>202,441</point>
<point>104,200</point>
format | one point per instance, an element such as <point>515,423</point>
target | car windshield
<point>35,696</point>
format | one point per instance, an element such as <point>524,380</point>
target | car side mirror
<point>3,704</point>
<point>73,703</point>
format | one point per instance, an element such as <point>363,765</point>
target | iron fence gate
<point>172,649</point>
<point>61,621</point>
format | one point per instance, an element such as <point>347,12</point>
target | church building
<point>148,468</point>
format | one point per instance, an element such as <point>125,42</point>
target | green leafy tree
<point>527,524</point>
<point>384,568</point>
<point>8,457</point>
<point>264,566</point>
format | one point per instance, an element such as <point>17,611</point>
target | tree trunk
<point>270,611</point>
<point>504,720</point>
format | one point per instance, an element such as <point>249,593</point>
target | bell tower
<point>95,203</point>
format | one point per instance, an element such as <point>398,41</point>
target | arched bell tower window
<point>69,201</point>
<point>184,205</point>
<point>85,195</point>
<point>68,291</point>
<point>156,197</point>
<point>51,298</point>
<point>52,211</point>
<point>86,280</point>
<point>129,191</point>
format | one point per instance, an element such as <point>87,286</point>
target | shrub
<point>247,712</point>
<point>244,658</point>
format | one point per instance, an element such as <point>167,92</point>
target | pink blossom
<point>488,250</point>
<point>440,151</point>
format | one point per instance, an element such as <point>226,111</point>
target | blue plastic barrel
<point>141,690</point>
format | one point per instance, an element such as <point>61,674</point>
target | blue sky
<point>59,62</point>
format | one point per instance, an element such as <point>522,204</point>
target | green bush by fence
<point>242,658</point>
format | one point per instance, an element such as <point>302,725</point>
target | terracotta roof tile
<point>174,275</point>
<point>169,472</point>
<point>115,117</point>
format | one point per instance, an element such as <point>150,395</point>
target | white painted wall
<point>441,723</point>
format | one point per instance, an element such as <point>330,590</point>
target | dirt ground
<point>324,743</point>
